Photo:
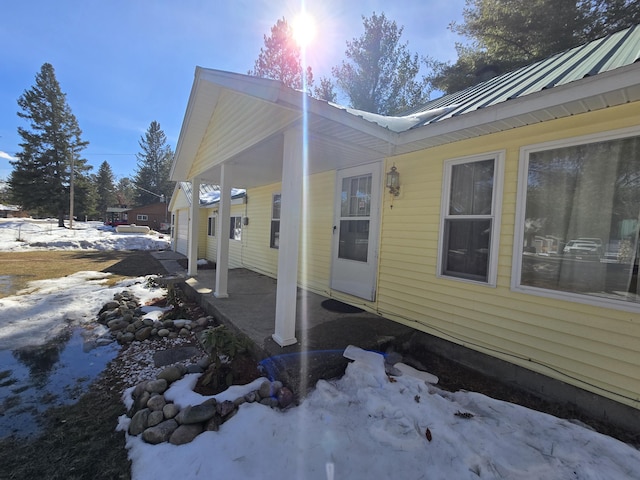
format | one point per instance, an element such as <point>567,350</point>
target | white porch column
<point>224,215</point>
<point>194,214</point>
<point>290,208</point>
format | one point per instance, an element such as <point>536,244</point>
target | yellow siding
<point>591,347</point>
<point>316,231</point>
<point>208,245</point>
<point>258,255</point>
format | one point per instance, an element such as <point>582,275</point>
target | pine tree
<point>507,34</point>
<point>154,167</point>
<point>380,75</point>
<point>40,179</point>
<point>280,58</point>
<point>105,189</point>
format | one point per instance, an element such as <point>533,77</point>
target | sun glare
<point>304,29</point>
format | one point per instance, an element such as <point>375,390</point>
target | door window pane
<point>356,196</point>
<point>354,240</point>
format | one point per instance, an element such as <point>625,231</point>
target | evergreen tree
<point>40,179</point>
<point>325,91</point>
<point>280,59</point>
<point>154,167</point>
<point>507,34</point>
<point>125,192</point>
<point>380,74</point>
<point>105,189</point>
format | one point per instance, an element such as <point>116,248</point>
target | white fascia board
<point>581,90</point>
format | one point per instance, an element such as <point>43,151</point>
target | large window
<point>578,219</point>
<point>470,218</point>
<point>235,230</point>
<point>355,217</point>
<point>275,221</point>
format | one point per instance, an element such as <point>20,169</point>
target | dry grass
<point>78,441</point>
<point>24,267</point>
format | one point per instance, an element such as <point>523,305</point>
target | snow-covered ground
<point>361,426</point>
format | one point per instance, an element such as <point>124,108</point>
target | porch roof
<point>239,120</point>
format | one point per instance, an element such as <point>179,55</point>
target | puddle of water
<point>33,379</point>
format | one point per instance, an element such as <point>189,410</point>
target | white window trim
<point>273,196</point>
<point>241,228</point>
<point>496,214</point>
<point>142,217</point>
<point>518,234</point>
<point>213,218</point>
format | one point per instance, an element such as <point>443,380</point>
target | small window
<point>141,217</point>
<point>235,231</point>
<point>211,226</point>
<point>275,221</point>
<point>470,219</point>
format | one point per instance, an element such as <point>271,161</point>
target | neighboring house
<point>11,211</point>
<point>154,216</point>
<point>494,182</point>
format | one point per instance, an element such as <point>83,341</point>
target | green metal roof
<point>605,54</point>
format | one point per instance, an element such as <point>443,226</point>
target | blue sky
<point>125,63</point>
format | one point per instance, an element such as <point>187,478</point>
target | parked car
<point>583,249</point>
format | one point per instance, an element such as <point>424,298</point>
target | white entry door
<point>355,231</point>
<point>182,231</point>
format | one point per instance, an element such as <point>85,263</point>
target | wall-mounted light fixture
<point>393,181</point>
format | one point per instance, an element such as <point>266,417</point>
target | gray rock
<point>202,321</point>
<point>117,324</point>
<point>171,373</point>
<point>130,328</point>
<point>156,386</point>
<point>170,410</point>
<point>167,324</point>
<point>156,403</point>
<point>225,408</point>
<point>161,432</point>
<point>181,322</point>
<point>213,425</point>
<point>204,362</point>
<point>139,422</point>
<point>140,402</point>
<point>143,333</point>
<point>239,401</point>
<point>127,337</point>
<point>139,389</point>
<point>138,324</point>
<point>269,402</point>
<point>185,433</point>
<point>155,418</point>
<point>174,355</point>
<point>184,332</point>
<point>269,389</point>
<point>163,332</point>
<point>148,322</point>
<point>251,397</point>
<point>194,368</point>
<point>112,305</point>
<point>196,414</point>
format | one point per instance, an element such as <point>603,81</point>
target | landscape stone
<point>155,418</point>
<point>285,397</point>
<point>143,333</point>
<point>127,337</point>
<point>170,410</point>
<point>117,324</point>
<point>196,414</point>
<point>161,432</point>
<point>194,368</point>
<point>156,402</point>
<point>139,422</point>
<point>185,433</point>
<point>171,373</point>
<point>141,401</point>
<point>174,355</point>
<point>225,408</point>
<point>213,425</point>
<point>163,332</point>
<point>156,386</point>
